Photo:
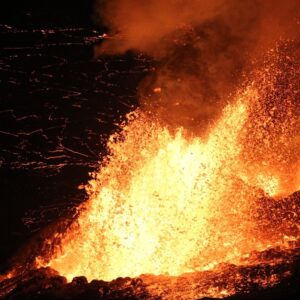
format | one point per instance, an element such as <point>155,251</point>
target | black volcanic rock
<point>45,283</point>
<point>249,282</point>
<point>58,106</point>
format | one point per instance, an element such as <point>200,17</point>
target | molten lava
<point>165,202</point>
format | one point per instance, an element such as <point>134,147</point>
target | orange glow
<point>164,202</point>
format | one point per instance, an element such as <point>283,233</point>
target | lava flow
<point>164,202</point>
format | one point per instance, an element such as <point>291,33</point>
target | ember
<point>168,203</point>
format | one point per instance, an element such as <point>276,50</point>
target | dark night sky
<point>56,101</point>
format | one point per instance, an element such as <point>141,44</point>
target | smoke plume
<point>201,47</point>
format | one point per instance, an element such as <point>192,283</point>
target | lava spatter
<point>165,202</point>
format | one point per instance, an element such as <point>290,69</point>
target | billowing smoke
<point>202,48</point>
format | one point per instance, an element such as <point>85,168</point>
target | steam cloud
<point>202,48</point>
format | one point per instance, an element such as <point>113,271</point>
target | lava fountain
<point>166,202</point>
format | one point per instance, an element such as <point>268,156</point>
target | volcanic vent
<point>197,196</point>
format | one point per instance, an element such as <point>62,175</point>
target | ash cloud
<point>202,48</point>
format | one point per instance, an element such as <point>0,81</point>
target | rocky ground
<point>247,281</point>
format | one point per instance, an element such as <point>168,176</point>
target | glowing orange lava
<point>169,203</point>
